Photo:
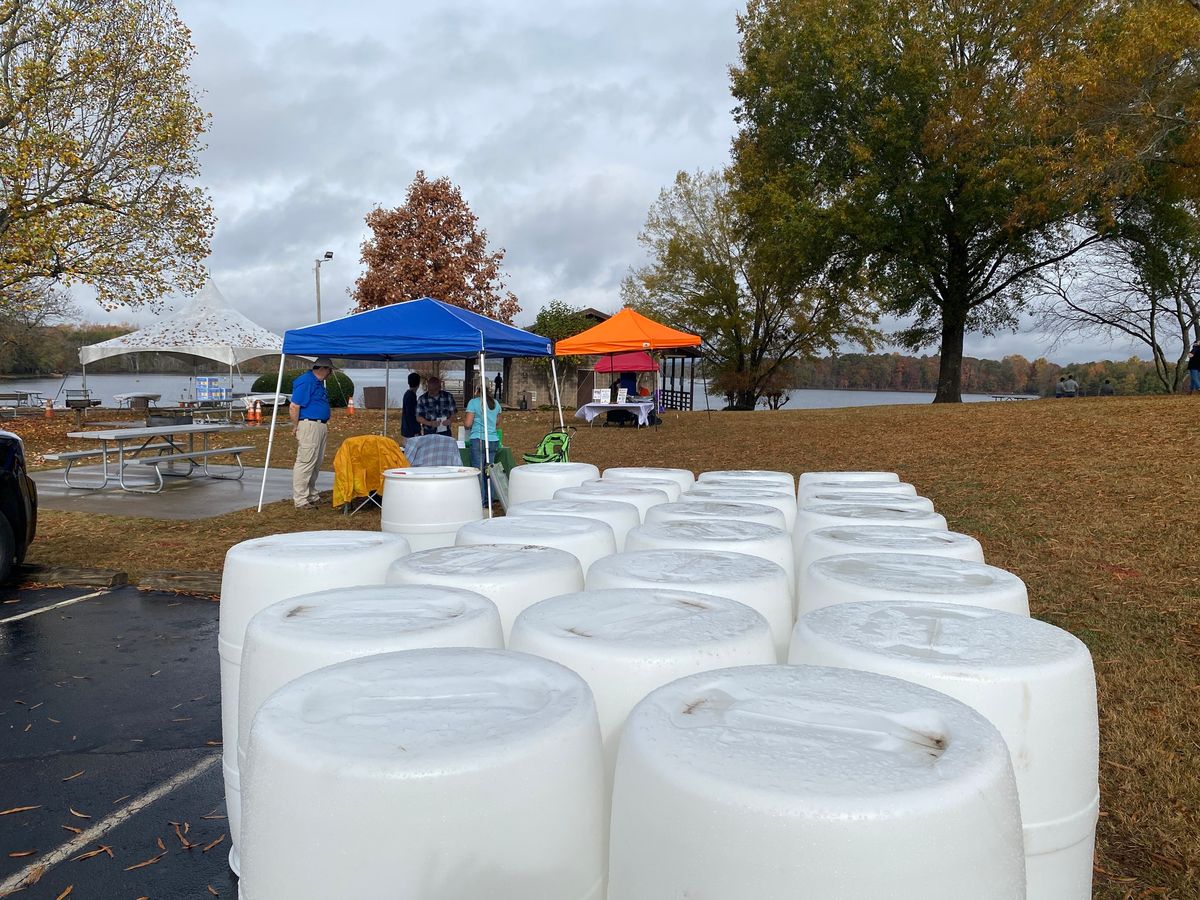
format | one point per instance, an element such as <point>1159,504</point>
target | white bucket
<point>626,492</point>
<point>892,488</point>
<point>752,538</point>
<point>751,580</point>
<point>619,516</point>
<point>782,500</point>
<point>683,477</point>
<point>808,477</point>
<point>586,539</point>
<point>263,571</point>
<point>785,480</point>
<point>627,642</point>
<point>450,773</point>
<point>1031,680</point>
<point>783,782</point>
<point>513,576</point>
<point>299,635</point>
<point>863,577</point>
<point>428,504</point>
<point>717,509</point>
<point>667,485</point>
<point>539,481</point>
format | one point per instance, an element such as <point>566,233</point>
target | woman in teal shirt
<point>474,421</point>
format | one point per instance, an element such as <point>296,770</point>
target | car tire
<point>8,549</point>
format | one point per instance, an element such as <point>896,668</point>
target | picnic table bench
<point>157,448</point>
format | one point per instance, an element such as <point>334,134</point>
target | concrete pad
<point>196,497</point>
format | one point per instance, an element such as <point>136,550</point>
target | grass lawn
<point>1095,503</point>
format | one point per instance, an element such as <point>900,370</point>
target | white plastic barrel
<point>841,539</point>
<point>667,485</point>
<point>758,583</point>
<point>807,477</point>
<point>782,500</point>
<point>871,498</point>
<point>296,636</point>
<point>894,488</point>
<point>683,477</point>
<point>824,515</point>
<point>586,539</point>
<point>617,514</point>
<point>716,509</point>
<point>643,497</point>
<point>448,773</point>
<point>627,642</point>
<point>787,782</point>
<point>263,571</point>
<point>428,504</point>
<point>513,576</point>
<point>785,480</point>
<point>862,577</point>
<point>752,538</point>
<point>539,481</point>
<point>1031,680</point>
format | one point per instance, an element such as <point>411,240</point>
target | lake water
<point>175,388</point>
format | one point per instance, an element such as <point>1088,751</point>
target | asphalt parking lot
<point>110,730</point>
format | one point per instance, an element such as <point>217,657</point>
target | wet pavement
<point>110,727</point>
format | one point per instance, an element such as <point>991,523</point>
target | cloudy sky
<point>559,122</point>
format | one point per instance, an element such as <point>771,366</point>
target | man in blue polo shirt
<point>309,411</point>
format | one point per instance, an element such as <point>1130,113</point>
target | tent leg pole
<point>85,376</point>
<point>387,381</point>
<point>487,447</point>
<point>557,394</point>
<point>262,491</point>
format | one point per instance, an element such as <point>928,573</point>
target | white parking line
<point>60,605</point>
<point>107,824</point>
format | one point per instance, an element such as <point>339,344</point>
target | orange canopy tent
<point>625,331</point>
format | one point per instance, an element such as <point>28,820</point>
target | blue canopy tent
<point>419,329</point>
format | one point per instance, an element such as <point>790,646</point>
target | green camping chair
<point>554,447</point>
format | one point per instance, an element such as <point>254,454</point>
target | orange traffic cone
<point>254,414</point>
<point>350,406</point>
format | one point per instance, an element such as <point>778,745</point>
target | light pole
<point>317,276</point>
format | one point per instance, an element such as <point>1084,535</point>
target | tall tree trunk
<point>954,327</point>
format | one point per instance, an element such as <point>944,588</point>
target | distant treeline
<point>1011,375</point>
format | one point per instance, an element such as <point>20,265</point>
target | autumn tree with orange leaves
<point>432,247</point>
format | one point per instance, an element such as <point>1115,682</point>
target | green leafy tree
<point>558,321</point>
<point>754,307</point>
<point>99,134</point>
<point>948,152</point>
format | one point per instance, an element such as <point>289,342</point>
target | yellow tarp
<point>359,465</point>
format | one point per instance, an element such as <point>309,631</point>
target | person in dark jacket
<point>1194,366</point>
<point>409,427</point>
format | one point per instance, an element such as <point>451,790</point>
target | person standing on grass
<point>1107,389</point>
<point>309,412</point>
<point>1059,391</point>
<point>475,437</point>
<point>409,427</point>
<point>1070,386</point>
<point>435,408</point>
<point>1194,366</point>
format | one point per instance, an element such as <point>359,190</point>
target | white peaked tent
<point>206,328</point>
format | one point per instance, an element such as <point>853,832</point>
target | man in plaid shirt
<point>435,409</point>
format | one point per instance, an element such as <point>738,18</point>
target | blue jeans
<point>1195,373</point>
<point>476,446</point>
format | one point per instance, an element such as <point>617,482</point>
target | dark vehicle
<point>18,504</point>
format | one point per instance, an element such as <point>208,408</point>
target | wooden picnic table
<point>158,448</point>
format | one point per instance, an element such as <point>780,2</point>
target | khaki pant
<point>310,450</point>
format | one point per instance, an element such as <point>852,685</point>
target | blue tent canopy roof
<point>418,329</point>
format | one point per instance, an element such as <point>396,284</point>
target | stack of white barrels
<point>644,686</point>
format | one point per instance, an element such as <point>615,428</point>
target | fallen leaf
<point>161,845</point>
<point>70,887</point>
<point>212,890</point>
<point>145,862</point>
<point>91,853</point>
<point>212,743</point>
<point>152,674</point>
<point>209,846</point>
<point>30,725</point>
<point>76,775</point>
<point>73,829</point>
<point>77,813</point>
<point>17,854</point>
<point>182,840</point>
<point>55,721</point>
<point>36,705</point>
<point>119,799</point>
<point>17,809</point>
